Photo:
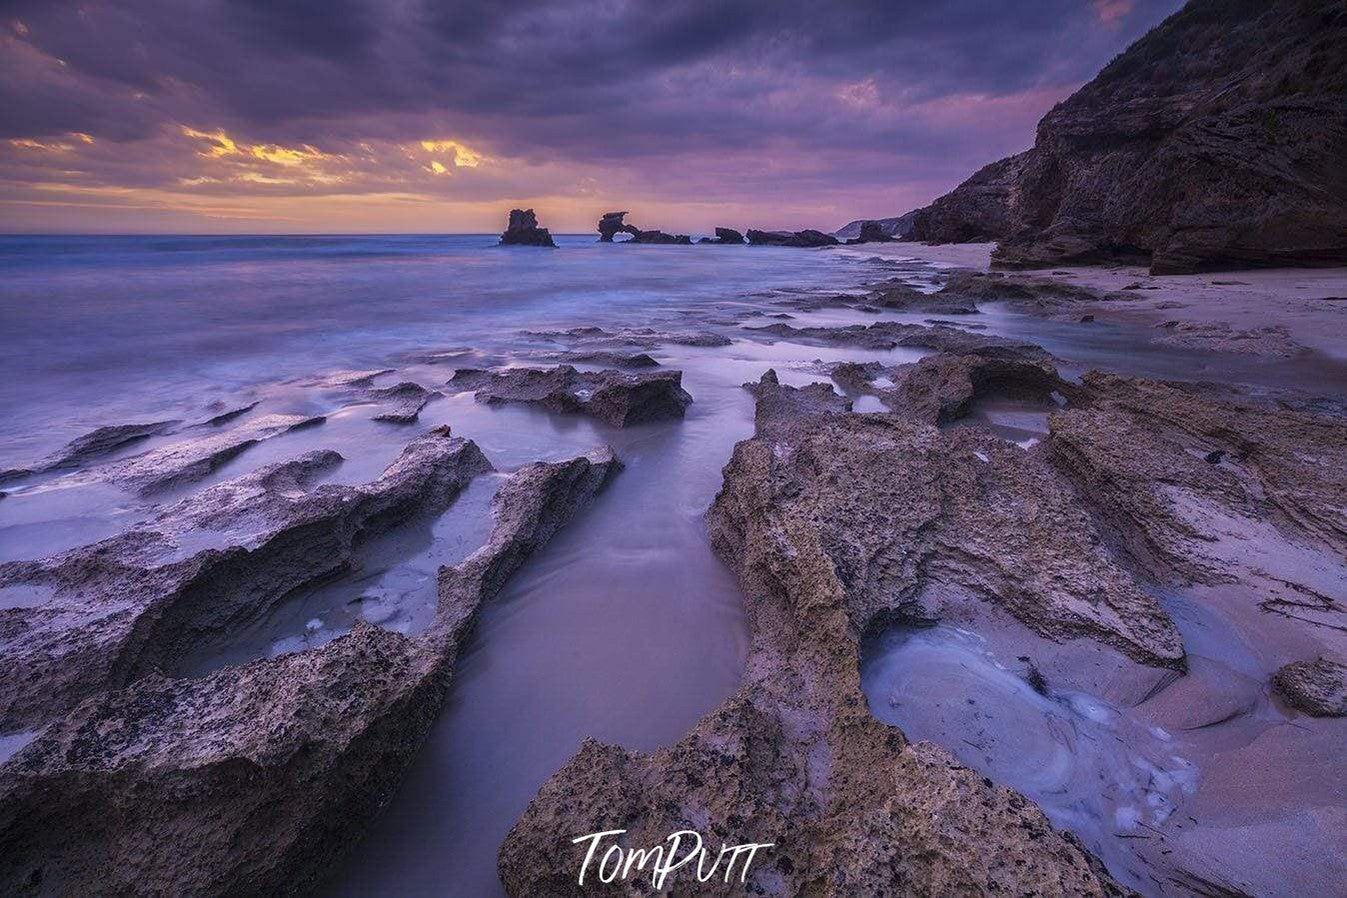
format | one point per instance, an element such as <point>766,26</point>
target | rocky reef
<point>256,778</point>
<point>523,230</point>
<point>613,223</point>
<point>1226,157</point>
<point>839,524</point>
<point>835,523</point>
<point>725,237</point>
<point>807,238</point>
<point>613,397</point>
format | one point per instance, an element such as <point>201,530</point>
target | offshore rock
<point>726,236</point>
<point>890,335</point>
<point>807,238</point>
<point>523,230</point>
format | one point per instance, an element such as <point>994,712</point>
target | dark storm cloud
<point>839,94</point>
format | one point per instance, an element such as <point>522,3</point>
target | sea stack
<point>523,230</point>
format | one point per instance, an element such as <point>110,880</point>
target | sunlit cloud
<point>461,155</point>
<point>1111,12</point>
<point>50,146</point>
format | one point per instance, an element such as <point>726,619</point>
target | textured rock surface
<point>93,445</point>
<point>403,402</point>
<point>132,604</point>
<point>255,779</point>
<point>942,388</point>
<point>1215,141</point>
<point>611,396</point>
<point>889,335</point>
<point>978,210</point>
<point>871,232</point>
<point>1316,687</point>
<point>1216,490</point>
<point>192,459</point>
<point>1273,341</point>
<point>523,230</point>
<point>836,522</point>
<point>604,357</point>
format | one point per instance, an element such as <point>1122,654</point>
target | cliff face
<point>1218,140</point>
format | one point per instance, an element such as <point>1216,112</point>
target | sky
<point>402,116</point>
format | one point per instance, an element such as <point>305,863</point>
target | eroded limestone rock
<point>134,603</point>
<point>614,397</point>
<point>256,778</point>
<point>403,401</point>
<point>1316,687</point>
<point>835,523</point>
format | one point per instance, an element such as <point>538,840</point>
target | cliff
<point>1218,140</point>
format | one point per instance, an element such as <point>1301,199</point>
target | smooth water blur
<point>624,628</point>
<point>106,329</point>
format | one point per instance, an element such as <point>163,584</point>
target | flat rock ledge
<point>256,779</point>
<point>614,397</point>
<point>136,603</point>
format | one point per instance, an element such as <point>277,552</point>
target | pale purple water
<point>625,628</point>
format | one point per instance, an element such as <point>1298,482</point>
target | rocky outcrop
<point>612,224</point>
<point>91,446</point>
<point>607,358</point>
<point>187,461</point>
<point>871,232</point>
<point>611,396</point>
<point>943,388</point>
<point>1215,141</point>
<point>898,228</point>
<point>1207,487</point>
<point>807,238</point>
<point>660,238</point>
<point>1318,687</point>
<point>836,523</point>
<point>980,209</point>
<point>257,778</point>
<point>402,403</point>
<point>644,337</point>
<point>890,335</point>
<point>725,236</point>
<point>1038,295</point>
<point>111,612</point>
<point>1272,341</point>
<point>523,230</point>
